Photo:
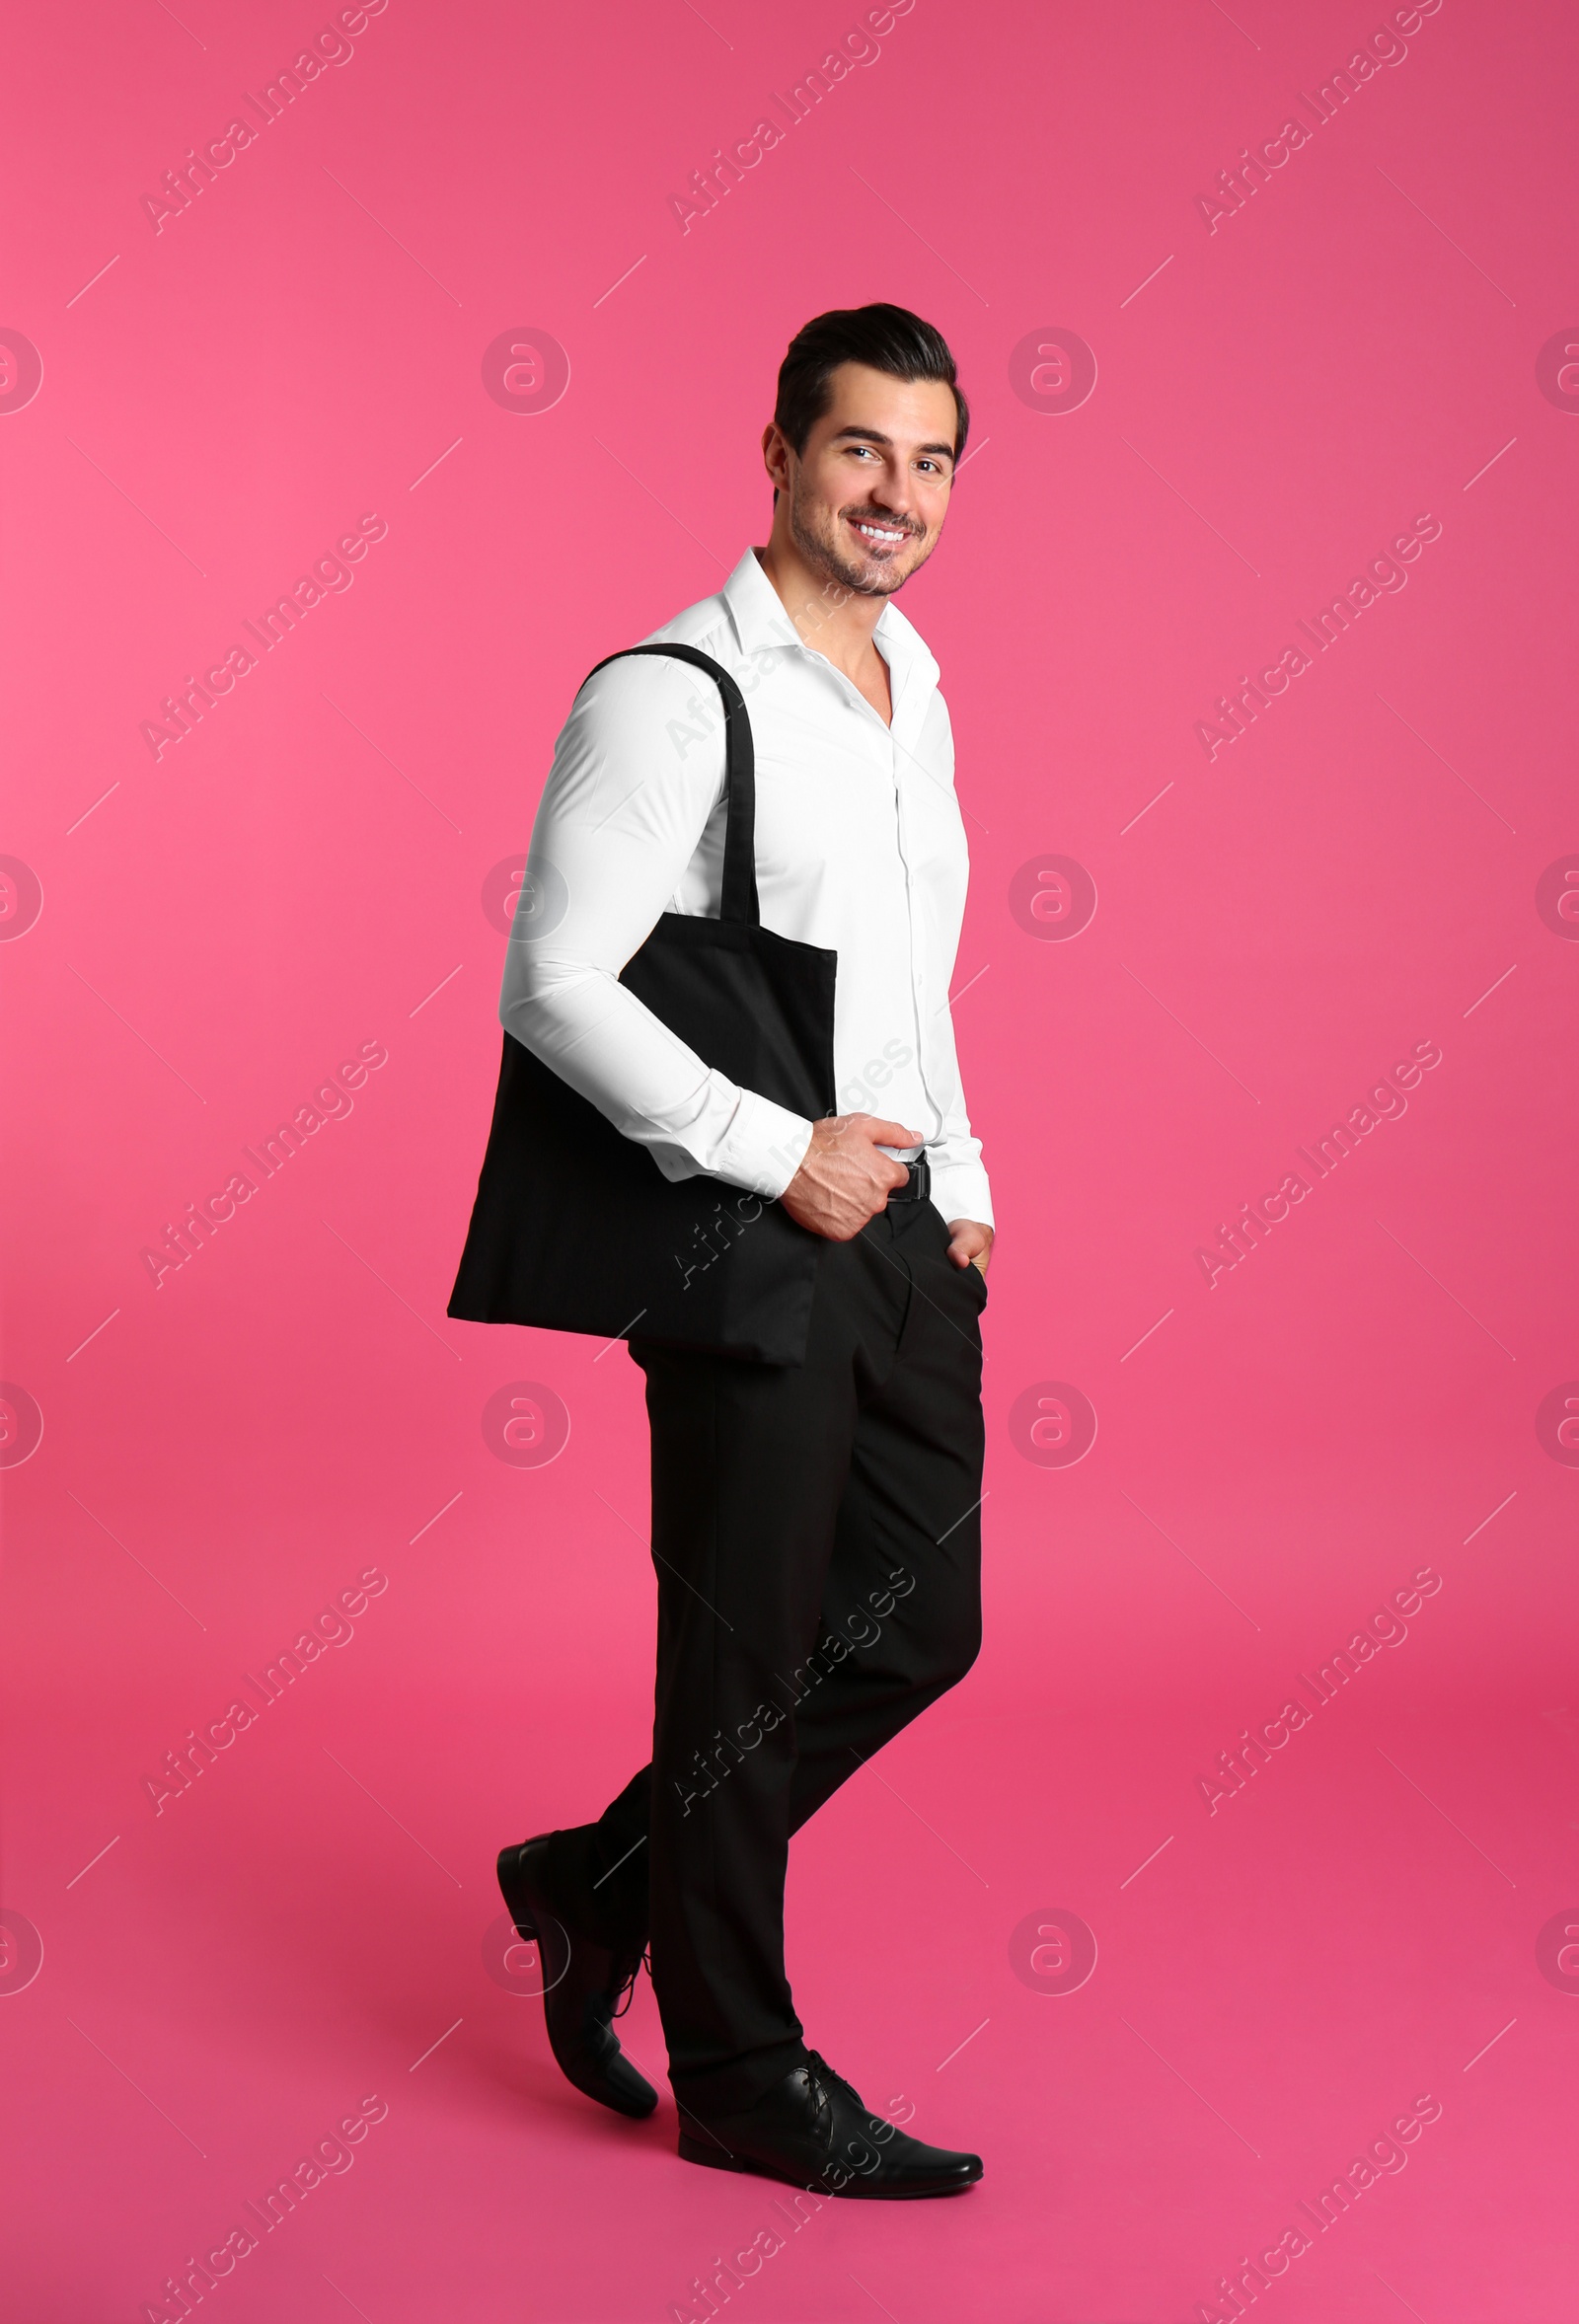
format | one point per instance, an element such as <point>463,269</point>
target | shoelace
<point>831,2080</point>
<point>825,2074</point>
<point>644,1960</point>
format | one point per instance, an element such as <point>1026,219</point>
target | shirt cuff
<point>764,1145</point>
<point>959,1190</point>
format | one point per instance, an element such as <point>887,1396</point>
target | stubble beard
<point>826,557</point>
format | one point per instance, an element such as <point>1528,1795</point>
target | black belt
<point>917,1186</point>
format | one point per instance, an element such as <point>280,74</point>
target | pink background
<point>224,1980</point>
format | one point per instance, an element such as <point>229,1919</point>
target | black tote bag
<point>575,1227</point>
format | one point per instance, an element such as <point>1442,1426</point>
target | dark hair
<point>886,339</point>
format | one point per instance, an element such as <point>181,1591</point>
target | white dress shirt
<point>859,847</point>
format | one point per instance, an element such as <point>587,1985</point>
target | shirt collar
<point>760,621</point>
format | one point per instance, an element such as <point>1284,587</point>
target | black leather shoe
<point>813,2131</point>
<point>584,1983</point>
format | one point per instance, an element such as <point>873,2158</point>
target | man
<point>815,1527</point>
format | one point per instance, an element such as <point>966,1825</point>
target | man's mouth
<point>878,536</point>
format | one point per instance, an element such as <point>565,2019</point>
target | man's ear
<point>769,435</point>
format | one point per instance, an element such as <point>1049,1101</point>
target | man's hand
<point>844,1180</point>
<point>970,1243</point>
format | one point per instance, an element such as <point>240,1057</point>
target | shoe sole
<point>718,2158</point>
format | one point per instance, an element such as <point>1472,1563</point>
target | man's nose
<point>893,495</point>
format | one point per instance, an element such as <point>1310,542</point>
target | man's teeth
<point>878,533</point>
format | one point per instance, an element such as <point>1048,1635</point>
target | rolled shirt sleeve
<point>622,815</point>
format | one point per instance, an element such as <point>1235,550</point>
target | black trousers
<point>816,1535</point>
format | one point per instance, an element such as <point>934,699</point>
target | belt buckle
<point>917,1182</point>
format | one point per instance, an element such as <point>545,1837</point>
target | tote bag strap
<point>739,896</point>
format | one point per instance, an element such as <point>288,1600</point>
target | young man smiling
<point>815,1527</point>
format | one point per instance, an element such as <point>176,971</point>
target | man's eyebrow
<point>875,435</point>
